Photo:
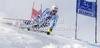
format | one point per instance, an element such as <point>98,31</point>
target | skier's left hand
<point>44,21</point>
<point>49,31</point>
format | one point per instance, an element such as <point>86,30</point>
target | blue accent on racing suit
<point>47,13</point>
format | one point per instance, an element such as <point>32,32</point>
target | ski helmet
<point>54,7</point>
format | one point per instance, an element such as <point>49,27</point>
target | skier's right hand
<point>49,31</point>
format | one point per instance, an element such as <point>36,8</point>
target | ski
<point>26,28</point>
<point>40,31</point>
<point>16,19</point>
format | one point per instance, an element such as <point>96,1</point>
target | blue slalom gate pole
<point>76,20</point>
<point>96,25</point>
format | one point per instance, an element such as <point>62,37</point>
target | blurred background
<point>22,9</point>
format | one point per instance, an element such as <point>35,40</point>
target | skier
<point>47,16</point>
<point>44,19</point>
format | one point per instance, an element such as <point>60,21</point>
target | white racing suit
<point>45,18</point>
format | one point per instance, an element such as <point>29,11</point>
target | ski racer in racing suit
<point>45,18</point>
<point>48,15</point>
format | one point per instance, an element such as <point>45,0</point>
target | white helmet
<point>54,7</point>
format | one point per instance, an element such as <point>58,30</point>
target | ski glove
<point>49,31</point>
<point>44,21</point>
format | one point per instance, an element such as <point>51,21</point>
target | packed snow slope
<point>21,9</point>
<point>12,37</point>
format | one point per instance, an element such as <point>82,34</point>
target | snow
<point>12,37</point>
